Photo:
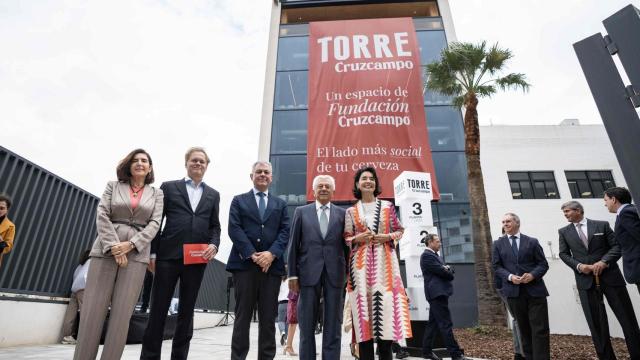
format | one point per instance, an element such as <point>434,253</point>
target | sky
<point>84,82</point>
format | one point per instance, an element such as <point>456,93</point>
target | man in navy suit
<point>627,229</point>
<point>259,230</point>
<point>590,249</point>
<point>191,211</point>
<point>317,268</point>
<point>520,263</point>
<point>437,289</point>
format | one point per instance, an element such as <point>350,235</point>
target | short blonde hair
<point>193,149</point>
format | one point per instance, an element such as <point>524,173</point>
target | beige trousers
<point>75,305</point>
<point>108,284</point>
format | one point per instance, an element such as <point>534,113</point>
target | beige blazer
<point>116,221</point>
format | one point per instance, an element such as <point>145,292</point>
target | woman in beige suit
<point>128,218</point>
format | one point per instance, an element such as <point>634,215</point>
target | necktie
<point>324,221</point>
<point>582,236</point>
<point>514,245</point>
<point>261,205</point>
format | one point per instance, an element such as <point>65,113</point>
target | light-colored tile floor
<point>210,343</point>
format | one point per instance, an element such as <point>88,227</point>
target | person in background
<point>75,300</point>
<point>438,287</point>
<point>627,230</point>
<point>128,218</point>
<point>283,299</point>
<point>292,320</point>
<point>146,291</point>
<point>7,228</point>
<point>371,230</point>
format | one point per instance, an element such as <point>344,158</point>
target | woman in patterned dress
<point>379,303</point>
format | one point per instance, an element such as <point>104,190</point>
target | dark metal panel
<point>55,221</point>
<point>618,114</point>
<point>213,291</point>
<point>624,28</point>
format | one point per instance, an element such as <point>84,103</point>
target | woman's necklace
<point>135,190</point>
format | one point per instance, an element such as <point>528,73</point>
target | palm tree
<point>468,72</point>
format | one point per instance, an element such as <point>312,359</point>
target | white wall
<point>39,323</point>
<point>549,148</point>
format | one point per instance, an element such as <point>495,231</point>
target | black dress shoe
<point>431,356</point>
<point>402,353</point>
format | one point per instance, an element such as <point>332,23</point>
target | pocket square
<point>596,234</point>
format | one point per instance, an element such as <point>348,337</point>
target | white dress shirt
<point>319,211</point>
<point>194,192</point>
<point>517,235</point>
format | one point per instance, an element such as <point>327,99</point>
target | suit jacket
<point>309,253</point>
<point>251,234</point>
<point>437,278</point>
<point>602,246</point>
<point>182,224</point>
<point>8,233</point>
<point>628,236</point>
<point>530,259</point>
<point>116,221</point>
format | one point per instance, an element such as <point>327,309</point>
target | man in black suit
<point>618,201</point>
<point>590,249</point>
<point>191,210</point>
<point>520,263</point>
<point>316,266</point>
<point>259,230</point>
<point>437,289</point>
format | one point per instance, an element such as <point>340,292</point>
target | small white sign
<point>414,185</point>
<point>415,212</point>
<point>411,243</point>
<point>413,272</point>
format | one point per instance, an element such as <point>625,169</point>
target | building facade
<point>532,170</point>
<point>283,138</point>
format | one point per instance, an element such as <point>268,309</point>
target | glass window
<point>289,178</point>
<point>451,173</point>
<point>432,97</point>
<point>289,132</point>
<point>589,184</point>
<point>445,128</point>
<point>294,30</point>
<point>454,227</point>
<point>291,90</point>
<point>431,23</point>
<point>431,44</point>
<point>293,53</point>
<point>533,185</point>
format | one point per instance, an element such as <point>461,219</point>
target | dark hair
<point>6,199</point>
<point>427,238</point>
<point>619,193</point>
<point>356,192</point>
<point>84,256</point>
<point>123,171</point>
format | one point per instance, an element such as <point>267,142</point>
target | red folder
<point>192,253</point>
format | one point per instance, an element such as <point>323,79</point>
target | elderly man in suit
<point>520,263</point>
<point>259,230</point>
<point>191,210</point>
<point>437,289</point>
<point>627,228</point>
<point>590,249</point>
<point>317,268</point>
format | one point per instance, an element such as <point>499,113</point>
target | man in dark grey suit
<point>316,267</point>
<point>590,249</point>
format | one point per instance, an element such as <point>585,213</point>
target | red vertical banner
<point>366,106</point>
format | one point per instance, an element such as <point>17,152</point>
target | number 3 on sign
<point>417,208</point>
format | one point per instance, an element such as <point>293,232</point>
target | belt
<point>283,301</point>
<point>138,227</point>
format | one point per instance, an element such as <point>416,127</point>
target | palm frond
<point>514,81</point>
